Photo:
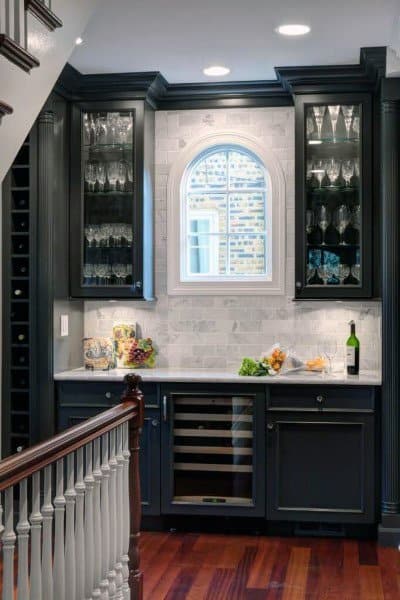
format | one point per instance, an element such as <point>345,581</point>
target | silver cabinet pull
<point>165,408</point>
<point>320,399</point>
<point>270,426</point>
<point>154,422</point>
<point>108,395</point>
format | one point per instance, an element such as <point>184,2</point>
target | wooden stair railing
<point>13,29</point>
<point>79,539</point>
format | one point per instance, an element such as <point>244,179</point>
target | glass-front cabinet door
<point>107,196</point>
<point>212,453</point>
<point>333,197</point>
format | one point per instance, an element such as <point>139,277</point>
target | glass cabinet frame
<point>256,507</point>
<point>140,285</point>
<point>303,290</point>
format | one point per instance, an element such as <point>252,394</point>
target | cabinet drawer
<point>321,397</point>
<point>101,394</point>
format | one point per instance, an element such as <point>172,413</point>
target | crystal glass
<point>129,177</point>
<point>324,272</point>
<point>328,349</point>
<point>344,271</point>
<point>356,271</point>
<point>347,112</point>
<point>319,170</point>
<point>334,115</point>
<point>342,219</point>
<point>98,235</point>
<point>112,128</point>
<point>101,131</point>
<point>323,219</point>
<point>90,175</point>
<point>90,234</point>
<point>310,221</point>
<point>122,175</point>
<point>310,127</point>
<point>347,171</point>
<point>113,174</point>
<point>333,170</point>
<point>88,271</point>
<point>107,274</point>
<point>125,129</point>
<point>319,114</point>
<point>106,229</point>
<point>356,217</point>
<point>101,176</point>
<point>356,127</point>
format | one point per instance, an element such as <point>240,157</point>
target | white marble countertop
<point>220,376</point>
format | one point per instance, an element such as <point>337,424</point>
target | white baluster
<point>36,534</point>
<point>70,564</point>
<point>59,558</point>
<point>8,541</point>
<point>9,18</point>
<point>19,22</point>
<point>23,529</point>
<point>105,519</point>
<point>89,534</point>
<point>120,514</point>
<point>126,513</point>
<point>113,518</point>
<point>79,527</point>
<point>97,474</point>
<point>3,21</point>
<point>47,542</point>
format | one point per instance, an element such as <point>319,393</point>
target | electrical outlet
<point>64,325</point>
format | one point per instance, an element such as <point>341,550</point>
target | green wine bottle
<point>353,351</point>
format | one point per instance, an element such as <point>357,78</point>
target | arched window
<point>226,222</point>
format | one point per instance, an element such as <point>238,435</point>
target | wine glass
<point>88,272</point>
<point>122,175</point>
<point>310,127</point>
<point>319,113</point>
<point>356,127</point>
<point>356,217</point>
<point>328,349</point>
<point>113,173</point>
<point>333,170</point>
<point>324,273</point>
<point>310,221</point>
<point>347,171</point>
<point>347,112</point>
<point>90,234</point>
<point>356,271</point>
<point>101,176</point>
<point>107,273</point>
<point>101,131</point>
<point>106,229</point>
<point>129,177</point>
<point>319,170</point>
<point>344,271</point>
<point>112,128</point>
<point>323,220</point>
<point>342,219</point>
<point>334,115</point>
<point>357,168</point>
<point>90,175</point>
<point>98,235</point>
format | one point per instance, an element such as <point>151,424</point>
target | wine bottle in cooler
<point>353,351</point>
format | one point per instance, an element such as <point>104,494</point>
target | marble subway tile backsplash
<point>217,331</point>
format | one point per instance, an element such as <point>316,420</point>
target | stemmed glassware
<point>344,271</point>
<point>319,170</point>
<point>328,349</point>
<point>347,171</point>
<point>333,170</point>
<point>323,220</point>
<point>310,127</point>
<point>334,115</point>
<point>342,219</point>
<point>347,112</point>
<point>88,271</point>
<point>310,221</point>
<point>319,114</point>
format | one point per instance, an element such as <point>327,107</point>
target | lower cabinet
<point>77,402</point>
<point>321,460</point>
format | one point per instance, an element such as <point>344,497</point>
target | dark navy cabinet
<point>321,455</point>
<point>78,401</point>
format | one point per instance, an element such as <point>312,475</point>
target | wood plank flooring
<point>187,566</point>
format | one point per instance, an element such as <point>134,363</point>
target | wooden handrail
<point>17,467</point>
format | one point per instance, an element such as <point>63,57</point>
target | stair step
<point>43,13</point>
<point>5,109</point>
<point>16,54</point>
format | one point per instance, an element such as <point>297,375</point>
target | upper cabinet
<point>333,196</point>
<point>111,208</point>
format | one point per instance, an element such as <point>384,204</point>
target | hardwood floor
<point>181,566</point>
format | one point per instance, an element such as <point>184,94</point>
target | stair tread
<point>16,54</point>
<point>43,13</point>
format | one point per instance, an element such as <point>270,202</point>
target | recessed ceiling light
<point>293,29</point>
<point>78,41</point>
<point>216,71</point>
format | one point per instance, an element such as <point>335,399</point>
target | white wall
<point>217,331</point>
<point>26,93</point>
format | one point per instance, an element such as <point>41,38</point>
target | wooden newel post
<point>133,394</point>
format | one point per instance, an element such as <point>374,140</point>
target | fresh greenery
<point>254,368</point>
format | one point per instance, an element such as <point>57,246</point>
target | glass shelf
<point>109,147</point>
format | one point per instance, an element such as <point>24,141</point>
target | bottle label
<point>350,356</point>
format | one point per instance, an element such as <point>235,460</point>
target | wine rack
<point>19,292</point>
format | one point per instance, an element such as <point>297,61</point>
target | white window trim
<point>212,217</point>
<point>275,190</point>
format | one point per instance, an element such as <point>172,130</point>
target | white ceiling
<point>181,37</point>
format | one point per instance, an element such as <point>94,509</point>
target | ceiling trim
<point>155,89</point>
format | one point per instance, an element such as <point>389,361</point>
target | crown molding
<point>161,95</point>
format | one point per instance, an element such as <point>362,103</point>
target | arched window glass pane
<point>224,216</point>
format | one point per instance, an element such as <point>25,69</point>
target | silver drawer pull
<point>320,399</point>
<point>270,426</point>
<point>154,423</point>
<point>108,395</point>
